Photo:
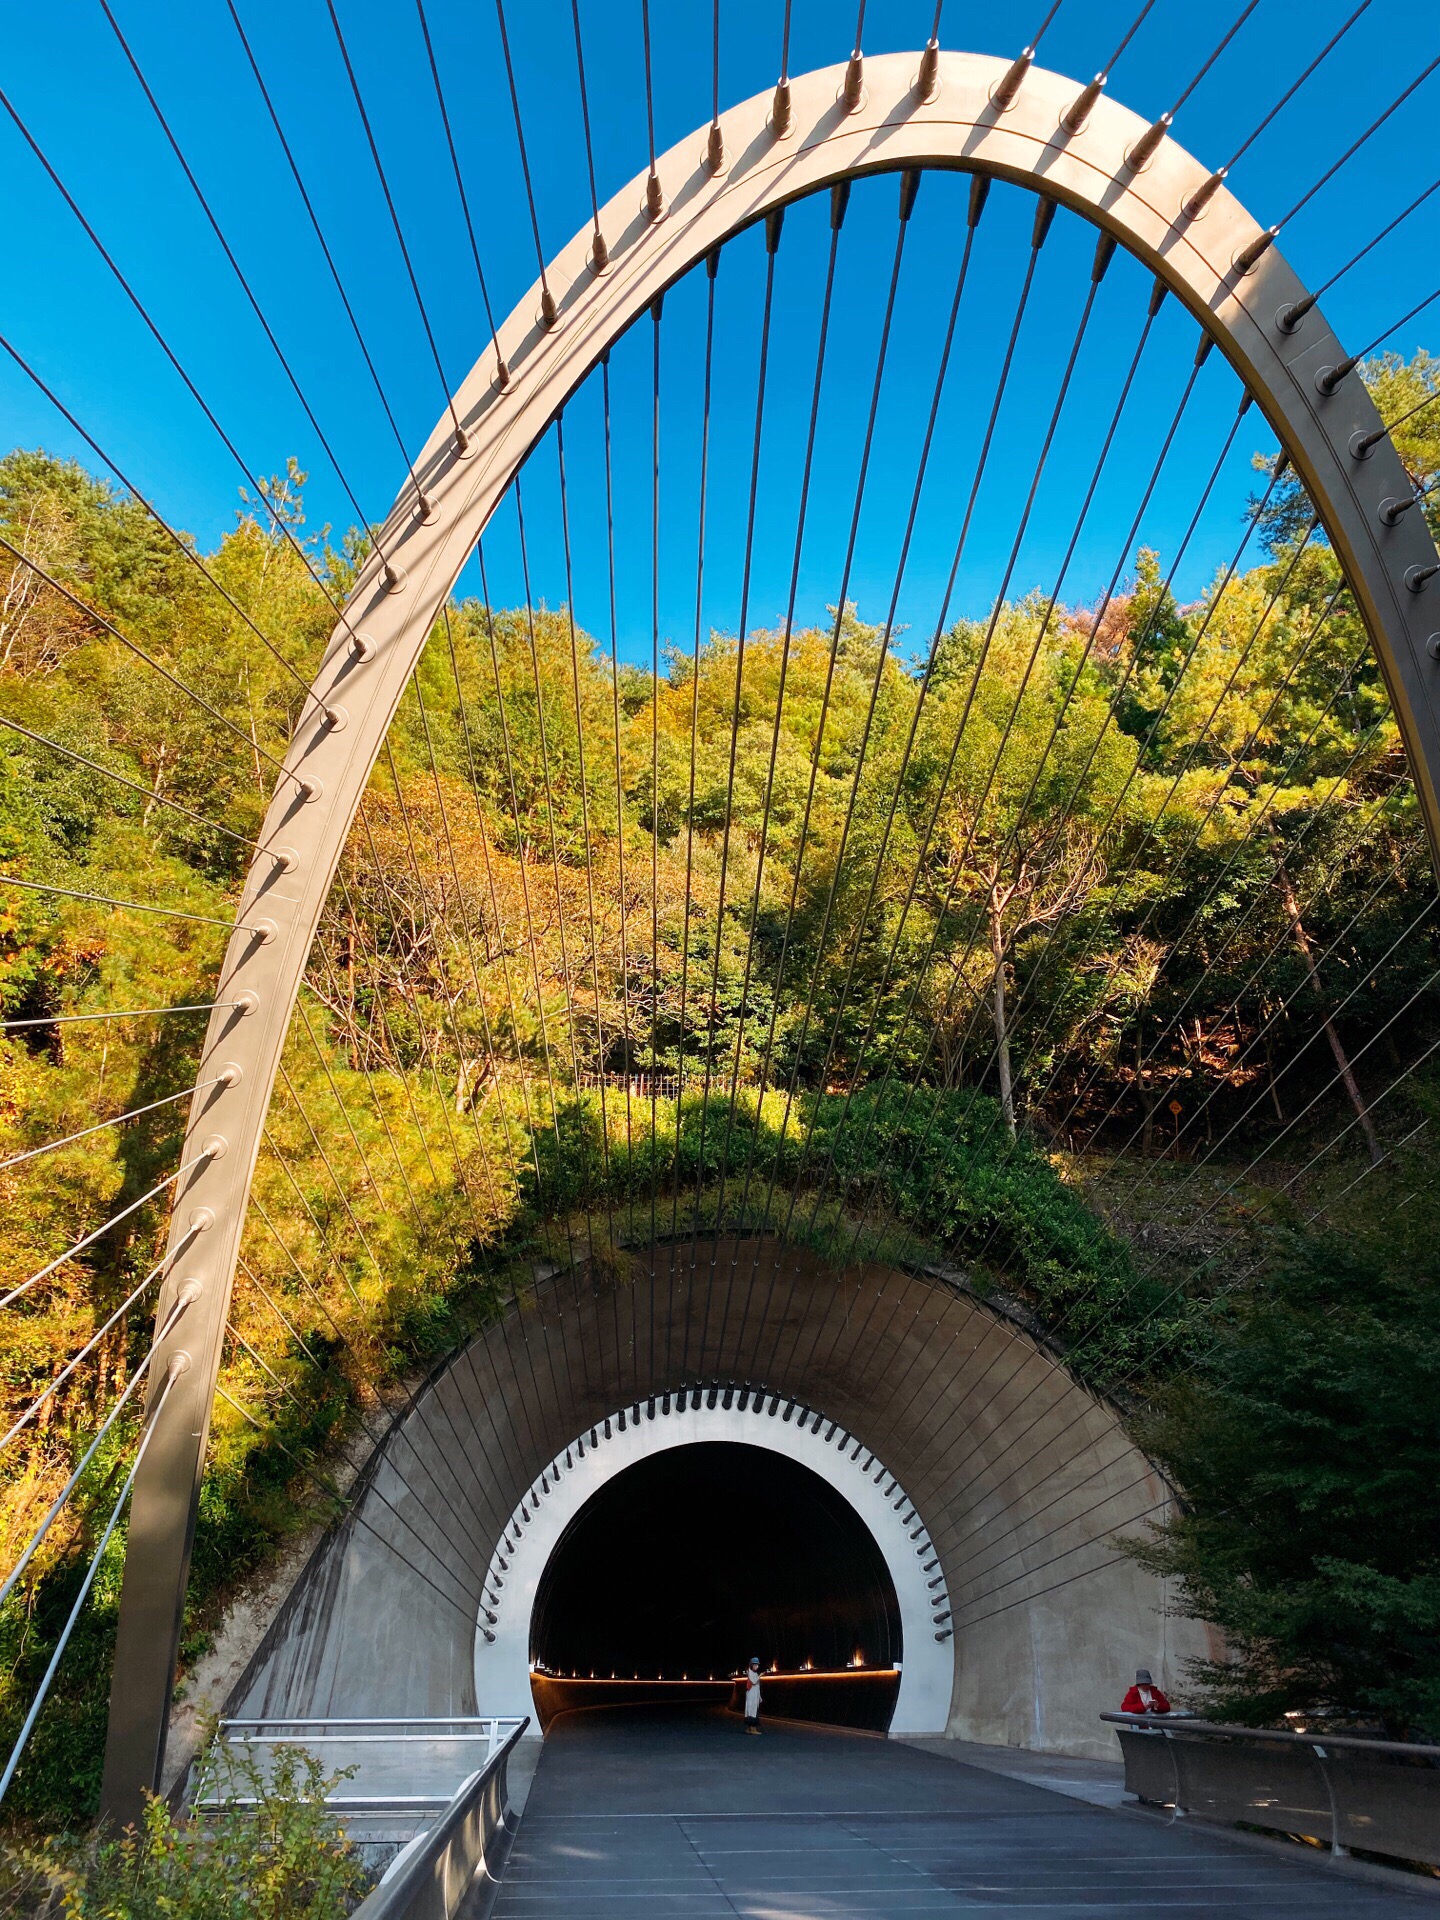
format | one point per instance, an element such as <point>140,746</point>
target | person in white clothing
<point>752,1696</point>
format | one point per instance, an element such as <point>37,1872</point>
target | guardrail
<point>1382,1796</point>
<point>434,1875</point>
<point>401,1765</point>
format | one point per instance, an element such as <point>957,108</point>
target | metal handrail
<point>1339,1789</point>
<point>432,1879</point>
<point>1220,1728</point>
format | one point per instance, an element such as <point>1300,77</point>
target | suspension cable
<point>1102,258</point>
<point>136,1379</point>
<point>95,766</point>
<point>326,253</point>
<point>282,526</point>
<point>93,613</point>
<point>922,852</point>
<point>585,826</point>
<point>772,244</point>
<point>180,544</point>
<point>461,438</point>
<point>117,1120</point>
<point>1039,232</point>
<point>131,906</point>
<point>38,1701</point>
<point>90,1238</point>
<point>548,308</point>
<point>234,263</point>
<point>502,372</point>
<point>128,1013</point>
<point>712,267</point>
<point>90,1345</point>
<point>1294,88</point>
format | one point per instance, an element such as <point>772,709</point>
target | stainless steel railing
<point>440,1869</point>
<point>1382,1796</point>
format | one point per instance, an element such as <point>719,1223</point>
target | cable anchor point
<point>1083,105</point>
<point>1139,156</point>
<point>782,110</point>
<point>927,81</point>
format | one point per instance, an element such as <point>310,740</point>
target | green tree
<point>1308,1446</point>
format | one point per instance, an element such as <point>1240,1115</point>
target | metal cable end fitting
<point>179,1363</point>
<point>1290,315</point>
<point>362,646</point>
<point>1138,157</point>
<point>502,373</point>
<point>312,788</point>
<point>782,111</point>
<point>654,197</point>
<point>927,81</point>
<point>202,1219</point>
<point>1362,445</point>
<point>715,157</point>
<point>944,1633</point>
<point>1432,646</point>
<point>1203,195</point>
<point>1005,91</point>
<point>1250,257</point>
<point>549,312</point>
<point>336,719</point>
<point>1418,578</point>
<point>853,91</point>
<point>189,1293</point>
<point>265,932</point>
<point>599,253</point>
<point>1392,511</point>
<point>216,1147</point>
<point>230,1075</point>
<point>1083,105</point>
<point>392,578</point>
<point>286,858</point>
<point>1328,379</point>
<point>462,442</point>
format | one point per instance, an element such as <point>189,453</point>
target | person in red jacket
<point>1144,1696</point>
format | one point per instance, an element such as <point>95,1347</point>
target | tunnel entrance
<point>685,1564</point>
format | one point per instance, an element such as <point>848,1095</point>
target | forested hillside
<point>998,949</point>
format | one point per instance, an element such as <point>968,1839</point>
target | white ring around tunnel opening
<point>502,1640</point>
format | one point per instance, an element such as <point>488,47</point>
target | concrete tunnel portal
<point>661,1469</point>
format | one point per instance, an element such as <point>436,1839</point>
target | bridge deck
<point>682,1817</point>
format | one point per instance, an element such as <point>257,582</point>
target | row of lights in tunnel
<point>806,1668</point>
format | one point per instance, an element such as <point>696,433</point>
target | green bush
<point>273,1853</point>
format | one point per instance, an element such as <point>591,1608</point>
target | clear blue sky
<point>66,75</point>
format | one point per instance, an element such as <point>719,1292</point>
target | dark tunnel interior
<point>686,1564</point>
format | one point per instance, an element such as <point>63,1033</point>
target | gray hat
<point>754,1660</point>
<point>1142,1677</point>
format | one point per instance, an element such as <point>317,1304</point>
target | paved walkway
<point>681,1817</point>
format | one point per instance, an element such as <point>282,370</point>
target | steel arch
<point>549,346</point>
